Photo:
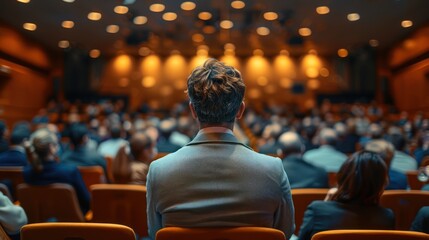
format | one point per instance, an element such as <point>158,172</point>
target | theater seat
<point>227,233</point>
<point>369,235</point>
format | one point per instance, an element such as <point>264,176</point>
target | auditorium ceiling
<point>137,26</point>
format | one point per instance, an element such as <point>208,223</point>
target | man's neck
<point>230,126</point>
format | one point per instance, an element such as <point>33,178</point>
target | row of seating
<point>89,231</point>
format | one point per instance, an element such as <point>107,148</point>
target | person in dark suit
<point>45,167</point>
<point>301,174</point>
<point>80,154</point>
<point>215,180</point>
<point>421,221</point>
<point>355,204</point>
<point>15,155</point>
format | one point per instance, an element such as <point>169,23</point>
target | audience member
<point>80,154</point>
<point>15,155</point>
<point>45,167</point>
<point>110,147</point>
<point>132,168</point>
<point>421,221</point>
<point>355,205</point>
<point>301,174</point>
<point>326,155</point>
<point>401,161</point>
<point>215,180</point>
<point>270,135</point>
<point>166,128</point>
<point>3,132</point>
<point>397,180</point>
<point>12,217</point>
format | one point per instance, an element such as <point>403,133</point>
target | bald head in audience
<point>384,148</point>
<point>328,136</point>
<point>290,143</point>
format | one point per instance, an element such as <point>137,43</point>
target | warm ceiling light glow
<point>262,81</point>
<point>258,52</point>
<point>63,44</point>
<point>353,17</point>
<point>304,32</point>
<point>226,24</point>
<point>238,4</point>
<point>229,46</point>
<point>270,16</point>
<point>197,37</point>
<point>188,6</point>
<point>120,9</point>
<point>322,10</point>
<point>209,29</point>
<point>68,1</point>
<point>112,29</point>
<point>94,16</point>
<point>373,43</point>
<point>284,52</point>
<point>144,51</point>
<point>157,7</point>
<point>343,52</point>
<point>67,24</point>
<point>94,53</point>
<point>169,16</point>
<point>406,23</point>
<point>263,31</point>
<point>286,82</point>
<point>203,50</point>
<point>140,20</point>
<point>123,82</point>
<point>24,1</point>
<point>312,72</point>
<point>148,81</point>
<point>29,26</point>
<point>204,15</point>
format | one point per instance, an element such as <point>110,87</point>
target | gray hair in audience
<point>385,149</point>
<point>290,142</point>
<point>328,136</point>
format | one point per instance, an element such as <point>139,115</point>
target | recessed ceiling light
<point>229,46</point>
<point>157,7</point>
<point>68,1</point>
<point>238,4</point>
<point>406,23</point>
<point>169,16</point>
<point>270,16</point>
<point>204,15</point>
<point>94,53</point>
<point>67,24</point>
<point>209,29</point>
<point>258,52</point>
<point>373,43</point>
<point>304,32</point>
<point>94,16</point>
<point>226,24</point>
<point>343,52</point>
<point>23,1</point>
<point>263,31</point>
<point>120,9</point>
<point>112,29</point>
<point>63,44</point>
<point>322,10</point>
<point>353,17</point>
<point>140,20</point>
<point>29,26</point>
<point>188,6</point>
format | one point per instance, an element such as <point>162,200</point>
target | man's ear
<point>194,114</point>
<point>240,110</point>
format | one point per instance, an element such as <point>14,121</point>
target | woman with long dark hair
<point>355,204</point>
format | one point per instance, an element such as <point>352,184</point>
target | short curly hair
<point>216,92</point>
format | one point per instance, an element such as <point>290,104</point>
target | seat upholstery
<point>369,235</point>
<point>76,231</point>
<point>53,202</point>
<point>226,233</point>
<point>405,204</point>
<point>126,205</point>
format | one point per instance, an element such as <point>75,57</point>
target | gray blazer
<point>216,181</point>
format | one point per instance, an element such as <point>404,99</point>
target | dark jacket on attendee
<point>421,222</point>
<point>330,215</point>
<point>15,156</point>
<point>397,180</point>
<point>54,172</point>
<point>302,174</point>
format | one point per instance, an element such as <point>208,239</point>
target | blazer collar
<point>217,138</point>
